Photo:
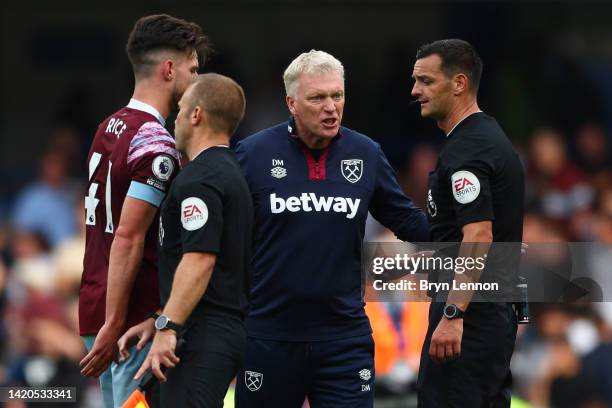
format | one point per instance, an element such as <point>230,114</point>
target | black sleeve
<point>241,156</point>
<point>393,209</point>
<point>469,174</point>
<point>201,209</point>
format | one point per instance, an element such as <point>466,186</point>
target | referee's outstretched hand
<point>162,352</point>
<point>445,342</point>
<point>140,335</point>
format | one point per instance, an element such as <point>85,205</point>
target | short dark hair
<point>163,32</point>
<point>458,56</point>
<point>222,99</point>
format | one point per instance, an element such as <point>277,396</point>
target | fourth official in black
<point>475,197</point>
<point>205,239</point>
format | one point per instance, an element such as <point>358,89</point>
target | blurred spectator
<point>3,283</point>
<point>539,229</point>
<point>32,266</point>
<point>559,359</point>
<point>600,252</point>
<point>603,226</point>
<point>46,206</point>
<point>66,139</point>
<point>557,185</point>
<point>593,148</point>
<point>28,245</point>
<point>44,347</point>
<point>415,174</point>
<point>68,260</point>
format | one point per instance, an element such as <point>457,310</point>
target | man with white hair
<point>313,183</point>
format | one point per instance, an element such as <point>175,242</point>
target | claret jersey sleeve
<point>201,214</point>
<point>153,161</point>
<point>393,209</point>
<point>468,175</point>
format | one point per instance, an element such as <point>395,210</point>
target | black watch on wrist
<point>451,312</point>
<point>151,315</point>
<point>164,323</point>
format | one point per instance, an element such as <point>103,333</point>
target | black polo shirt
<point>209,209</point>
<point>479,177</point>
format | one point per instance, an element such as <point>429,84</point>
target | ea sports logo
<point>191,210</point>
<point>462,183</point>
<point>466,186</point>
<point>194,213</point>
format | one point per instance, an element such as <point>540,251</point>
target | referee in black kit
<point>205,237</point>
<point>475,197</point>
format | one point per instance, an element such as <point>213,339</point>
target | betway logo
<point>310,202</point>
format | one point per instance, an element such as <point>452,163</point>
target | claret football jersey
<point>132,154</point>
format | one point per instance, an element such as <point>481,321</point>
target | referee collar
<point>461,121</point>
<point>209,147</point>
<point>145,107</point>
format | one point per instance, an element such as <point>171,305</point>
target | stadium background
<point>547,79</point>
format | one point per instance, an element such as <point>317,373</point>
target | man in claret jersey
<point>131,163</point>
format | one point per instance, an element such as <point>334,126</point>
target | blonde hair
<point>312,62</point>
<point>222,99</point>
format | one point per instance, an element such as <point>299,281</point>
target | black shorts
<point>280,374</point>
<point>480,377</point>
<point>213,353</point>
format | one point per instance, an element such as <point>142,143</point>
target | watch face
<point>450,311</point>
<point>161,322</point>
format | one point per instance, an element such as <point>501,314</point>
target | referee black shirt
<point>209,209</point>
<point>479,177</point>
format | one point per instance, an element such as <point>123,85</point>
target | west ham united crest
<point>253,380</point>
<point>352,169</point>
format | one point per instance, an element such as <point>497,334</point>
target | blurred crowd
<point>563,359</point>
<point>42,241</point>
